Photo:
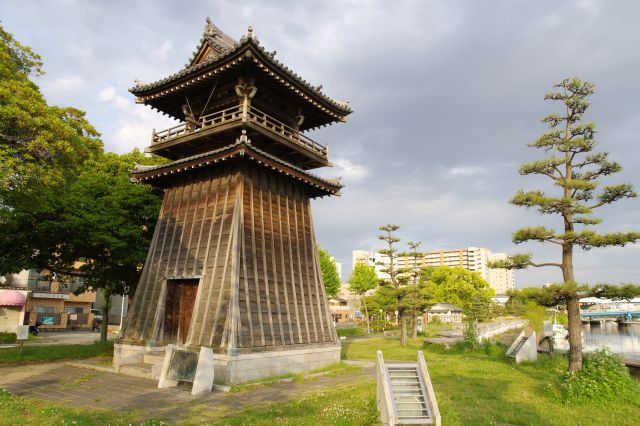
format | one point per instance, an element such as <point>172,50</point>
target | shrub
<point>470,339</point>
<point>8,337</point>
<point>603,377</point>
<point>435,320</point>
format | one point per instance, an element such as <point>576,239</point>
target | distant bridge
<point>610,314</point>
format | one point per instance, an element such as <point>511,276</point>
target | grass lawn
<point>472,389</point>
<point>54,353</point>
<point>479,388</point>
<point>484,388</point>
<point>23,412</point>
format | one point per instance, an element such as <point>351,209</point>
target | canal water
<point>623,339</point>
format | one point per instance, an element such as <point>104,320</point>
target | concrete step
<point>146,371</point>
<point>137,370</point>
<point>153,358</point>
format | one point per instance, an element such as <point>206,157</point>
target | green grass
<point>483,388</point>
<point>54,353</point>
<point>329,371</point>
<point>18,411</point>
<point>354,405</point>
<point>472,388</point>
<point>352,331</point>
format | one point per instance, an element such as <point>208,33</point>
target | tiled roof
<point>243,141</point>
<point>443,307</point>
<point>249,40</point>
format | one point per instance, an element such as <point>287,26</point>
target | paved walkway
<point>78,387</point>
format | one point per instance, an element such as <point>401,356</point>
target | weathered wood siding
<point>247,233</point>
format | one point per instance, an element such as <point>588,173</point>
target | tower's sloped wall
<point>247,235</point>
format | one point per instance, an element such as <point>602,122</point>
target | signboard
<point>182,365</point>
<point>73,317</point>
<point>50,296</point>
<point>47,320</point>
<point>22,332</point>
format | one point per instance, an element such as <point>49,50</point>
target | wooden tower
<point>233,263</point>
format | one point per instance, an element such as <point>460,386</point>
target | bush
<point>352,331</point>
<point>535,314</point>
<point>8,337</point>
<point>470,339</point>
<point>603,377</point>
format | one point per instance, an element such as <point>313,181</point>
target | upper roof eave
<point>244,148</point>
<point>245,44</point>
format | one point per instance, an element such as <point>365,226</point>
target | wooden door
<point>181,298</point>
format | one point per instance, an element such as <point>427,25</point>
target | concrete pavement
<point>69,385</point>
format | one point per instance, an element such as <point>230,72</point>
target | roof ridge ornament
<point>249,35</point>
<point>243,138</point>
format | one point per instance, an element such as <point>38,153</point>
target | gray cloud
<point>446,96</point>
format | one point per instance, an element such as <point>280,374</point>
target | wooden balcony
<point>236,116</point>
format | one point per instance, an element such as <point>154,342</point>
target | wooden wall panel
<point>247,234</point>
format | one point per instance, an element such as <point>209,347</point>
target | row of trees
<point>410,290</point>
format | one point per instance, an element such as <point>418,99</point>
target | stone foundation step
<point>153,358</point>
<point>145,371</point>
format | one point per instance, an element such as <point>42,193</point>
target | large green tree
<point>330,275</point>
<point>575,171</point>
<point>40,145</point>
<point>100,218</point>
<point>459,286</point>
<point>363,279</point>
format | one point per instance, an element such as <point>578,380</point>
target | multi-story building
<point>52,304</point>
<point>472,258</point>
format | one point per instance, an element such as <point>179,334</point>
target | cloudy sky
<point>446,96</point>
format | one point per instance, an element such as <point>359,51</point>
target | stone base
<point>241,368</point>
<point>132,354</point>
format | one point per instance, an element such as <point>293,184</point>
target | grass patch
<point>78,381</point>
<point>354,405</point>
<point>329,371</point>
<point>18,411</point>
<point>352,331</point>
<point>8,338</point>
<point>54,353</point>
<point>482,387</point>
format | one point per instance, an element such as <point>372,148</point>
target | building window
<point>44,309</point>
<point>73,309</point>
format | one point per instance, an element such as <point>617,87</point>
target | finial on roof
<point>249,35</point>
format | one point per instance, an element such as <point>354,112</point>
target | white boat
<point>559,331</point>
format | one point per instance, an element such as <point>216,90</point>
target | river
<point>622,339</point>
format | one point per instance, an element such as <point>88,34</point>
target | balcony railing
<point>233,114</point>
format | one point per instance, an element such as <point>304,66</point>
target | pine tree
<point>397,279</point>
<point>576,171</point>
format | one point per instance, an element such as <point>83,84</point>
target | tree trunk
<point>403,328</point>
<point>414,333</point>
<point>105,306</point>
<point>573,310</point>
<point>103,326</point>
<point>575,333</point>
<point>366,313</point>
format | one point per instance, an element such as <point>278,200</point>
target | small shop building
<point>12,309</point>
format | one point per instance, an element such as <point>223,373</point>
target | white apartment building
<point>472,258</point>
